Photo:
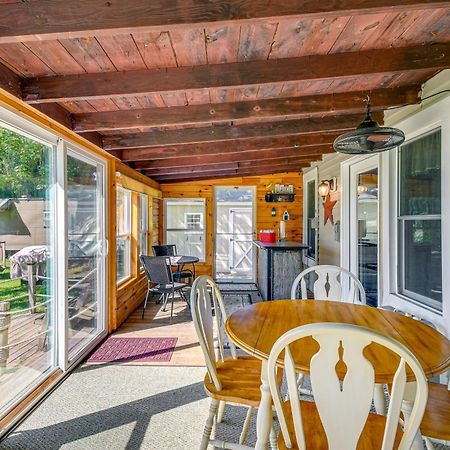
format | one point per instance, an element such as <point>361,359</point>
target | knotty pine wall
<point>264,220</point>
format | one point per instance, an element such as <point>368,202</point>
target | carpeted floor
<point>131,406</point>
<point>124,407</point>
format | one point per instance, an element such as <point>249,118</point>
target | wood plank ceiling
<point>219,88</point>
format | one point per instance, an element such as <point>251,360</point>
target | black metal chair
<point>171,250</point>
<point>159,273</point>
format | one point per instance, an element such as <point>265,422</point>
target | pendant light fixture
<point>369,137</point>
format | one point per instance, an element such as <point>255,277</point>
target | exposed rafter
<point>258,155</point>
<point>228,174</point>
<point>231,132</point>
<point>239,74</point>
<point>58,19</point>
<point>250,111</point>
<point>240,146</point>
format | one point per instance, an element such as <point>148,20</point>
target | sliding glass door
<point>28,256</point>
<point>52,256</point>
<point>85,251</point>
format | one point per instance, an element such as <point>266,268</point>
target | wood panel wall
<point>264,219</point>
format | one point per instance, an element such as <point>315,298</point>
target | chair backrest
<point>344,406</point>
<point>157,269</point>
<point>206,298</point>
<point>164,250</point>
<point>330,285</point>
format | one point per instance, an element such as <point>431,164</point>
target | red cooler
<point>267,236</point>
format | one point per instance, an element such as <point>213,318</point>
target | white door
<point>234,233</point>
<point>360,237</point>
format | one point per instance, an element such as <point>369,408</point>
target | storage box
<point>267,236</point>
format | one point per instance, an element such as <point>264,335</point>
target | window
<point>419,220</point>
<point>193,221</point>
<point>143,224</point>
<point>184,223</point>
<point>123,238</point>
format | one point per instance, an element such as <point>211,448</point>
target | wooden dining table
<point>257,327</point>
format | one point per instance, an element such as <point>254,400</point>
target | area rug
<point>123,350</point>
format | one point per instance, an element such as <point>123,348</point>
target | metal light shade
<point>368,137</point>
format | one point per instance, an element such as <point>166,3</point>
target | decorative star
<point>328,206</point>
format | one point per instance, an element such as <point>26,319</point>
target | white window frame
<point>127,235</point>
<point>201,232</point>
<point>422,122</point>
<point>143,228</point>
<point>311,175</point>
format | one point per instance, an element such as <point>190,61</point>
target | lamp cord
<point>420,101</point>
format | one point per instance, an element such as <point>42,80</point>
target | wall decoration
<point>328,206</point>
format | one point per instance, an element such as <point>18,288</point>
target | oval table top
<point>182,260</point>
<point>255,329</point>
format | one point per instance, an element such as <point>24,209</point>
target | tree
<point>24,166</point>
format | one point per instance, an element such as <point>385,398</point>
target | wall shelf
<point>277,198</point>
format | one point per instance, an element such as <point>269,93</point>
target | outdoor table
<point>257,327</point>
<point>180,261</point>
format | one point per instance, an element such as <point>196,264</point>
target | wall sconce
<point>327,186</point>
<point>274,212</point>
<point>362,189</point>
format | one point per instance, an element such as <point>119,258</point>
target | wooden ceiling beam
<point>256,155</point>
<point>233,75</point>
<point>250,111</point>
<point>248,165</point>
<point>229,147</point>
<point>231,174</point>
<point>59,19</point>
<point>217,133</point>
<point>9,81</point>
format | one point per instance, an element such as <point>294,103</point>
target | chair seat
<point>168,287</point>
<point>436,420</point>
<point>315,437</point>
<point>240,379</point>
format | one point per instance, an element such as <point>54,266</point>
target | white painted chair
<point>330,285</point>
<point>235,379</point>
<point>340,418</point>
<point>435,425</point>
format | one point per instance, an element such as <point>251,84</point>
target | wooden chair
<point>329,285</point>
<point>340,418</point>
<point>436,419</point>
<point>160,275</point>
<point>235,379</point>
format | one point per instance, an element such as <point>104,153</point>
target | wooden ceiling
<point>218,88</point>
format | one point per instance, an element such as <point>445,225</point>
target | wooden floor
<point>27,358</point>
<point>157,323</point>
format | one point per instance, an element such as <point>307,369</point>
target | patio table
<point>256,328</point>
<point>180,261</point>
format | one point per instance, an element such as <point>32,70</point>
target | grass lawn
<point>13,288</point>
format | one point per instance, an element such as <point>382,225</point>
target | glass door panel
<point>85,261</point>
<point>366,190</point>
<point>27,282</point>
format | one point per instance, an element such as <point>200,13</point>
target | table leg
<point>407,405</point>
<point>264,419</point>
